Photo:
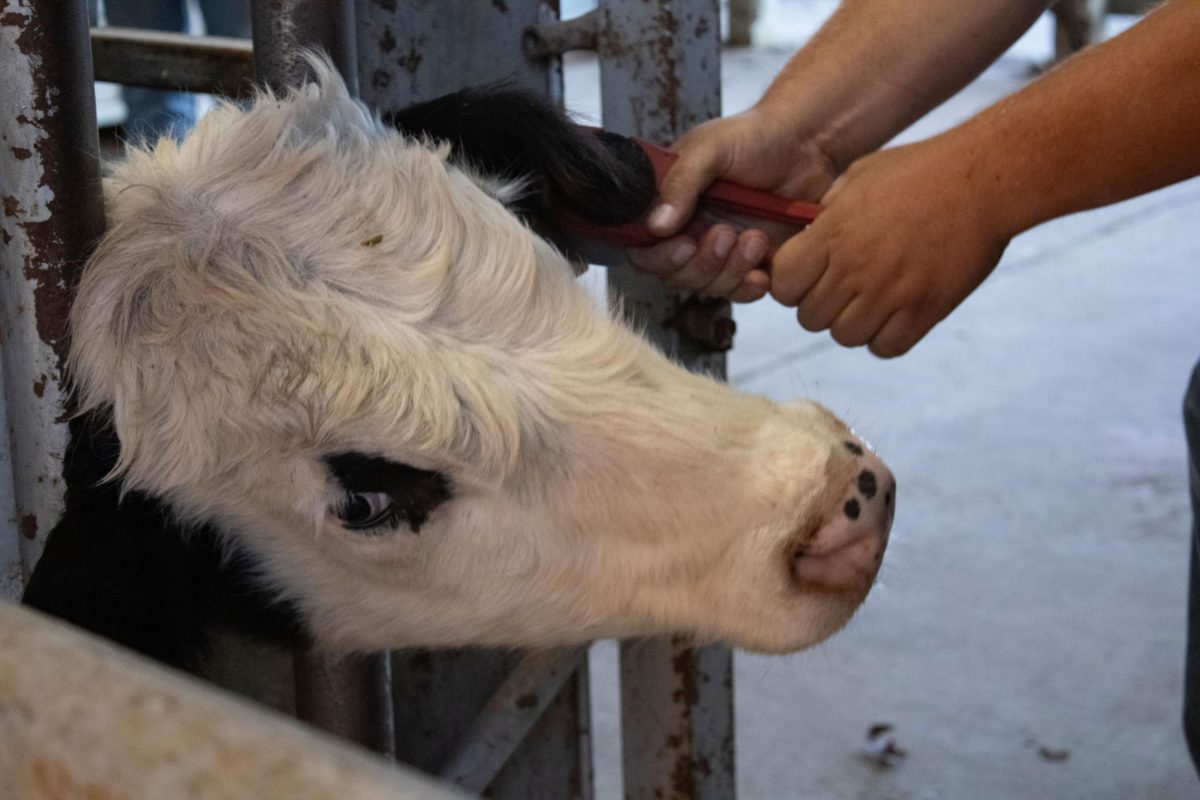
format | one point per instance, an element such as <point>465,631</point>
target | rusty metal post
<point>659,76</point>
<point>283,28</point>
<point>1077,24</point>
<point>53,215</point>
<point>411,51</point>
<point>350,697</point>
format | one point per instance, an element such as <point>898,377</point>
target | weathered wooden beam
<point>80,717</point>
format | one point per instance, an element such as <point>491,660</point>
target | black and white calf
<point>333,363</point>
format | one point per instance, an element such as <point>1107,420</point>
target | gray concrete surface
<point>1033,595</point>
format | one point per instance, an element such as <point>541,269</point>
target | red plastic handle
<point>724,201</point>
<point>735,197</point>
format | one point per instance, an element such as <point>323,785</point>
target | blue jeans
<point>1191,685</point>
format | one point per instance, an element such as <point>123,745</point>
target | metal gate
<point>506,724</point>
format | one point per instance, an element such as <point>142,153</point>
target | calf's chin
<point>337,347</point>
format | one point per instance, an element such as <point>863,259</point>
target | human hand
<point>907,233</point>
<point>761,148</point>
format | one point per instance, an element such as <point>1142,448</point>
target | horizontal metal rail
<point>210,64</point>
<point>553,38</point>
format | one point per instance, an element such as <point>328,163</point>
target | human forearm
<point>878,65</point>
<point>1118,120</point>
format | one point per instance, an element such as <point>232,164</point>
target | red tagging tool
<point>723,202</point>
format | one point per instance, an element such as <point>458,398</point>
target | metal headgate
<point>509,724</point>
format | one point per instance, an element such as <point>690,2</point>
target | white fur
<point>295,280</point>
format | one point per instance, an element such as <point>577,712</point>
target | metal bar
<point>349,697</point>
<point>514,708</point>
<point>659,76</point>
<point>211,64</point>
<point>553,38</point>
<point>742,16</point>
<point>50,179</point>
<point>1077,24</point>
<point>412,51</point>
<point>283,29</point>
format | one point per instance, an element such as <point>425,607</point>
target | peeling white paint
<point>33,399</point>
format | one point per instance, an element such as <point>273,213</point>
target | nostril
<point>852,509</point>
<point>867,484</point>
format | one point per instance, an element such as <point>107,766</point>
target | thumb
<point>688,177</point>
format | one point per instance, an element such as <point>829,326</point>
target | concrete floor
<point>1033,595</point>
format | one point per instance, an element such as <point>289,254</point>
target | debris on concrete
<point>1054,754</point>
<point>880,745</point>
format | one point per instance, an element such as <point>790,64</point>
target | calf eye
<point>363,510</point>
<point>377,491</point>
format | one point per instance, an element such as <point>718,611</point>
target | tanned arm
<point>909,232</point>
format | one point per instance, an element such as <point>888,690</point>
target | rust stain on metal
<point>381,79</point>
<point>21,153</point>
<point>411,60</point>
<point>664,45</point>
<point>684,663</point>
<point>683,778</point>
<point>387,40</point>
<point>67,149</point>
<point>29,526</point>
<point>39,386</point>
<point>12,206</point>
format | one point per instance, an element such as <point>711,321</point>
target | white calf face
<point>346,353</point>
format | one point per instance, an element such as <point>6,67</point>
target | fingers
<point>696,168</point>
<point>859,322</point>
<point>665,258</point>
<point>798,265</point>
<point>722,261</point>
<point>902,330</point>
<point>754,287</point>
<point>719,265</point>
<point>821,305</point>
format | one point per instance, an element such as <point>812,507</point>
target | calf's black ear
<point>512,133</point>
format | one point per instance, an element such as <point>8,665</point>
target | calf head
<point>344,350</point>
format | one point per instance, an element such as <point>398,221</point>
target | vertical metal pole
<point>412,51</point>
<point>659,76</point>
<point>347,696</point>
<point>1077,24</point>
<point>52,216</point>
<point>283,28</point>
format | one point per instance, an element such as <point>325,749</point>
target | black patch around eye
<point>415,492</point>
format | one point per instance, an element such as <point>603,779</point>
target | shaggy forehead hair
<point>297,277</point>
